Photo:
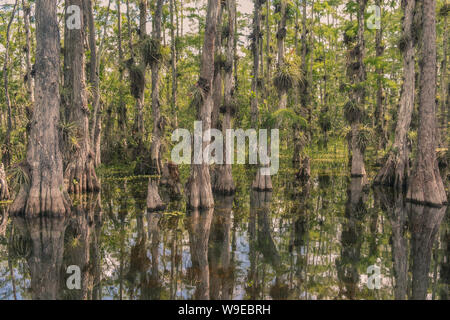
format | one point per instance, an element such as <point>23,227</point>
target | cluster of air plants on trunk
<point>350,33</point>
<point>70,132</point>
<point>352,112</point>
<point>288,75</point>
<point>363,137</point>
<point>137,80</point>
<point>196,94</point>
<point>153,51</point>
<point>403,42</point>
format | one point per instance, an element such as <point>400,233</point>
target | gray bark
<point>396,169</point>
<point>45,192</point>
<point>198,188</point>
<point>29,78</point>
<point>174,58</point>
<point>358,75</point>
<point>95,83</point>
<point>224,183</point>
<point>79,173</point>
<point>426,185</point>
<point>218,74</point>
<point>255,47</point>
<point>7,152</point>
<point>4,193</point>
<point>154,202</point>
<point>158,121</point>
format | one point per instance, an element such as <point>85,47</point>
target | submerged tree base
<point>81,177</point>
<point>154,202</point>
<point>198,188</point>
<point>262,182</point>
<point>40,201</point>
<point>222,181</point>
<point>170,179</point>
<point>426,188</point>
<point>394,173</point>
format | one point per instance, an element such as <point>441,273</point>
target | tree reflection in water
<point>312,241</point>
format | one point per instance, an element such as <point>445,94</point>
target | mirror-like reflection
<point>318,240</point>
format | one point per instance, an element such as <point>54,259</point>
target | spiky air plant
<point>364,137</point>
<point>352,112</point>
<point>287,76</point>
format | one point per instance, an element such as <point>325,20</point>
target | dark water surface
<point>323,241</point>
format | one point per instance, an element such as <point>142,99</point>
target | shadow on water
<point>311,241</point>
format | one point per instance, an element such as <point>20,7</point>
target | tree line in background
<point>112,91</point>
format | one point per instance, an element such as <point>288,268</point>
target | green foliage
<point>364,136</point>
<point>350,32</point>
<point>352,112</point>
<point>288,75</point>
<point>153,51</point>
<point>286,115</point>
<point>137,80</point>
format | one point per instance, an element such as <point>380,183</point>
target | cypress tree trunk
<point>445,114</point>
<point>174,58</point>
<point>261,182</point>
<point>158,121</point>
<point>198,187</point>
<point>304,90</point>
<point>281,35</point>
<point>45,192</point>
<point>122,120</point>
<point>379,111</point>
<point>95,83</point>
<point>426,184</point>
<point>79,174</point>
<point>396,169</point>
<point>357,74</point>
<point>4,193</point>
<point>137,75</point>
<point>224,183</point>
<point>29,78</point>
<point>255,53</point>
<point>7,150</point>
<point>218,78</point>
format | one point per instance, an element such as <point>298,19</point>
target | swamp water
<point>332,240</point>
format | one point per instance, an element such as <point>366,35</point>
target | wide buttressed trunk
<point>396,169</point>
<point>45,192</point>
<point>426,185</point>
<point>79,173</point>
<point>198,188</point>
